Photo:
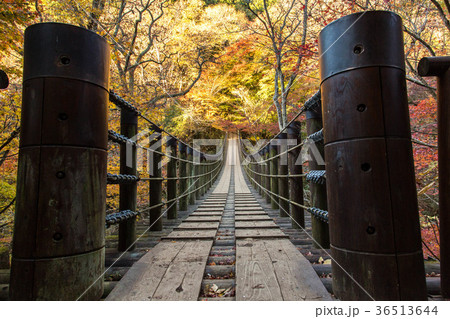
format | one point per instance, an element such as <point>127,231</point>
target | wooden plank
<point>214,202</point>
<point>260,233</point>
<point>242,209</point>
<point>250,212</point>
<point>141,281</point>
<point>199,225</point>
<point>275,270</point>
<point>256,224</point>
<point>252,217</point>
<point>219,206</point>
<point>209,209</point>
<point>183,278</point>
<point>296,277</point>
<point>191,234</point>
<point>195,219</point>
<point>206,214</point>
<point>255,277</point>
<point>246,201</point>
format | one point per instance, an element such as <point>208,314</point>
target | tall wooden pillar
<point>372,200</point>
<point>267,172</point>
<point>440,67</point>
<point>59,229</point>
<point>172,207</point>
<point>155,192</point>
<point>191,173</point>
<point>128,191</point>
<point>283,182</point>
<point>273,151</point>
<point>295,182</point>
<point>320,229</point>
<point>183,185</point>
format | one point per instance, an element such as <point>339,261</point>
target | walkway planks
<point>268,266</point>
<point>170,271</point>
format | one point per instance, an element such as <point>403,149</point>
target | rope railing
<point>121,178</point>
<point>186,166</point>
<point>321,214</point>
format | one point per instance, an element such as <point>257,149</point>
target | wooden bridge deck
<point>230,221</point>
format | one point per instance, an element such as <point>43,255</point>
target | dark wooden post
<point>440,67</point>
<point>258,172</point>
<point>259,178</point>
<point>59,230</point>
<point>155,192</point>
<point>251,165</point>
<point>183,177</point>
<point>283,182</point>
<point>191,172</point>
<point>273,151</point>
<point>128,192</point>
<point>295,183</point>
<point>267,172</point>
<point>320,229</point>
<point>204,171</point>
<point>171,179</point>
<point>375,234</point>
<point>4,81</point>
<point>197,172</point>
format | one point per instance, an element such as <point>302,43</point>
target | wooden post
<point>267,172</point>
<point>295,183</point>
<point>128,192</point>
<point>273,151</point>
<point>372,199</point>
<point>283,182</point>
<point>440,67</point>
<point>258,172</point>
<point>183,177</point>
<point>59,229</point>
<point>191,172</point>
<point>171,182</point>
<point>320,229</point>
<point>197,172</point>
<point>4,81</point>
<point>155,192</point>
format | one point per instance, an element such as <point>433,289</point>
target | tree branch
<point>12,136</point>
<point>442,13</point>
<point>418,38</point>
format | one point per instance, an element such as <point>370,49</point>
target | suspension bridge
<point>231,224</point>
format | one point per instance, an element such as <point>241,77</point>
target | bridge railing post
<point>197,172</point>
<point>267,173</point>
<point>172,177</point>
<point>59,229</point>
<point>191,173</point>
<point>375,232</point>
<point>273,151</point>
<point>4,80</point>
<point>258,173</point>
<point>183,185</point>
<point>440,67</point>
<point>155,188</point>
<point>128,191</point>
<point>259,169</point>
<point>320,229</point>
<point>283,180</point>
<point>295,181</point>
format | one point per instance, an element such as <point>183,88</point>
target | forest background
<point>202,67</point>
